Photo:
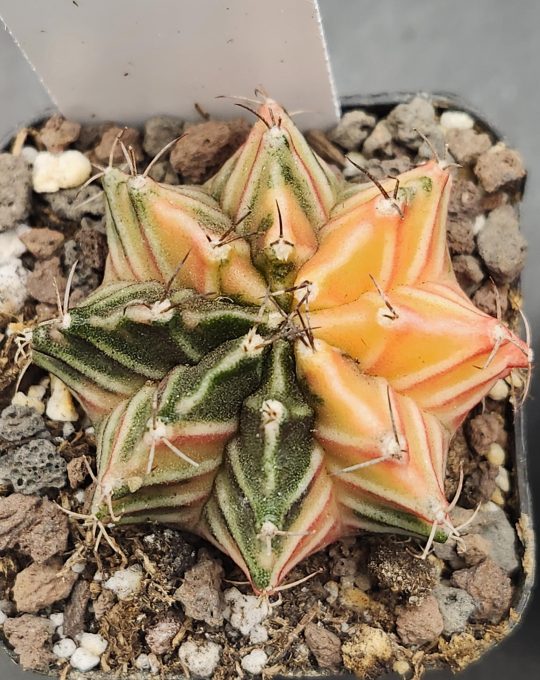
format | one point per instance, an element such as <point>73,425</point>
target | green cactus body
<point>277,359</point>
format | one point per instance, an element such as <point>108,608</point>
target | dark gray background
<point>487,51</point>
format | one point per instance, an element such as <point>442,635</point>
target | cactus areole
<point>278,358</point>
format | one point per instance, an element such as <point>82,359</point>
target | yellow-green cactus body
<point>277,359</point>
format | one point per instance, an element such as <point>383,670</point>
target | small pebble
<point>57,619</point>
<point>499,391</point>
<point>64,648</point>
<point>255,661</point>
<point>67,430</point>
<point>332,589</point>
<point>82,660</point>
<point>125,582</point>
<point>401,667</point>
<point>457,120</point>
<point>142,662</point>
<point>60,404</point>
<point>496,454</point>
<point>503,480</point>
<point>93,643</point>
<point>3,618</point>
<point>12,286</point>
<point>11,245</point>
<point>478,224</point>
<point>497,497</point>
<point>23,400</point>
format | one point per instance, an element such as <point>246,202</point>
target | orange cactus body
<point>278,359</point>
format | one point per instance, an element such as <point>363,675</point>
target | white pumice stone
<point>258,634</point>
<point>478,224</point>
<point>12,286</point>
<point>83,660</point>
<point>93,643</point>
<point>125,582</point>
<point>57,619</point>
<point>64,648</point>
<point>244,612</point>
<point>457,120</point>
<point>55,171</point>
<point>255,661</point>
<point>60,404</point>
<point>3,618</point>
<point>201,659</point>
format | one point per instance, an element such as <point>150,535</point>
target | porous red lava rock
<point>200,593</point>
<point>131,137</point>
<point>35,526</point>
<point>499,167</point>
<point>206,146</point>
<point>42,242</point>
<point>489,297</point>
<point>468,272</point>
<point>489,586</point>
<point>30,637</point>
<point>473,548</point>
<point>419,624</point>
<point>352,129</point>
<point>467,145</point>
<point>58,133</point>
<point>324,645</point>
<point>379,142</point>
<point>40,282</point>
<point>41,585</point>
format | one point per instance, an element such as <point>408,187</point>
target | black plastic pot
<point>521,507</point>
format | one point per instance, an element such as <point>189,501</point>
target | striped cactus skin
<point>277,359</point>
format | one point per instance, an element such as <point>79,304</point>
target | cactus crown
<point>277,358</point>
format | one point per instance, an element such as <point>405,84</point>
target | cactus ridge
<point>278,358</point>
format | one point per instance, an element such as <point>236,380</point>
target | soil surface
<point>153,600</point>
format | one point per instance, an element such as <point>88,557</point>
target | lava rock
<point>395,569</point>
<point>324,645</point>
<point>487,299</point>
<point>467,145</point>
<point>206,146</point>
<point>40,585</point>
<point>490,588</point>
<point>352,129</point>
<point>40,282</point>
<point>460,235</point>
<point>499,167</point>
<point>42,242</point>
<point>163,172</point>
<point>501,244</point>
<point>34,467</point>
<point>484,429</point>
<point>130,137</point>
<point>160,131</point>
<point>37,527</point>
<point>74,204</point>
<point>15,190</point>
<point>20,422</point>
<point>455,606</point>
<point>200,593</point>
<point>473,548</point>
<point>405,121</point>
<point>480,484</point>
<point>465,198</point>
<point>30,637</point>
<point>417,625</point>
<point>468,272</point>
<point>379,142</point>
<point>58,133</point>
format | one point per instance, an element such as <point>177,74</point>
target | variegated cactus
<point>277,359</point>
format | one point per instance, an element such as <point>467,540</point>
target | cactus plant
<point>278,358</point>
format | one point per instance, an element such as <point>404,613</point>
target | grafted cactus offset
<point>277,359</point>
